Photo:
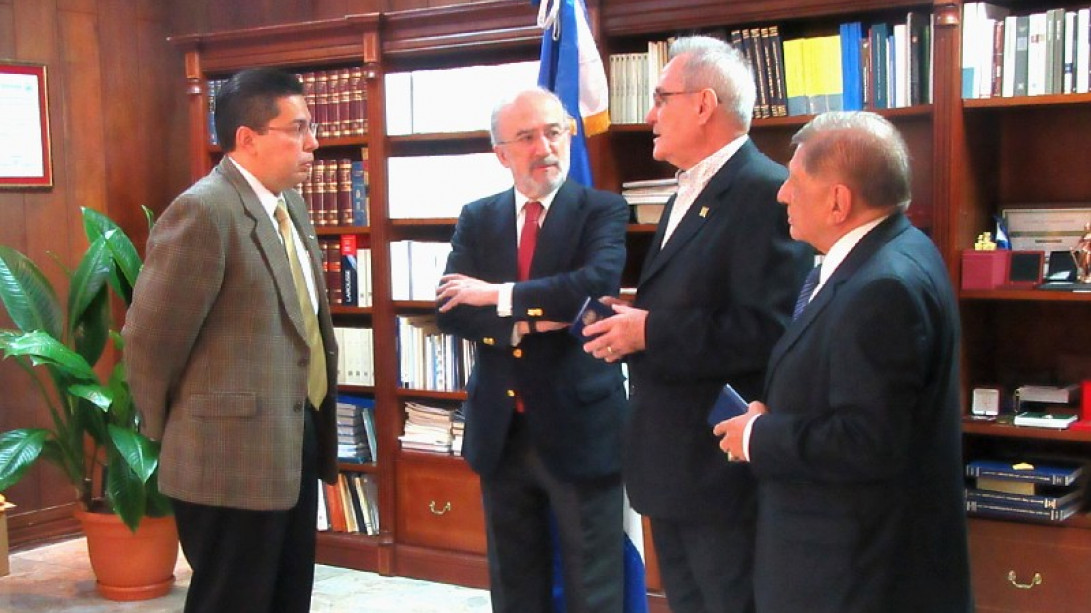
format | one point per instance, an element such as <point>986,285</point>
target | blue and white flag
<point>571,67</point>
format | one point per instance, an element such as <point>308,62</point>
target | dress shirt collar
<point>696,178</point>
<point>546,200</point>
<point>267,198</point>
<point>843,247</point>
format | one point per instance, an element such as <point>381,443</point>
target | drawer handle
<point>443,511</point>
<point>1035,580</point>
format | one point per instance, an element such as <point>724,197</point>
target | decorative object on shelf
<point>1082,255</point>
<point>95,426</point>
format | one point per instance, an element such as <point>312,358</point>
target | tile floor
<point>57,578</point>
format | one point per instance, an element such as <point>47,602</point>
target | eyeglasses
<point>298,129</point>
<point>660,98</point>
<point>527,138</point>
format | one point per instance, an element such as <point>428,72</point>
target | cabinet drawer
<point>439,504</point>
<point>1050,564</point>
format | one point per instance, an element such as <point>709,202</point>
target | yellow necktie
<point>317,384</point>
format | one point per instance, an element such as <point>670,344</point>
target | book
<point>728,404</point>
<point>1058,498</point>
<point>1014,512</point>
<point>1010,486</point>
<point>591,311</point>
<point>1042,419</point>
<point>1047,393</point>
<point>1050,474</point>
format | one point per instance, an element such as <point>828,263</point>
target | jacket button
<point>298,407</point>
<point>517,353</point>
<point>511,393</point>
<point>488,340</point>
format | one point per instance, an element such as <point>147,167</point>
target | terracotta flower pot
<point>127,565</point>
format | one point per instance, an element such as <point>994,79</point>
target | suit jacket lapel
<point>501,235</point>
<point>707,204</point>
<point>268,242</point>
<point>860,254</point>
<point>558,230</point>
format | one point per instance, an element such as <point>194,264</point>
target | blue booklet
<point>728,404</point>
<point>591,311</point>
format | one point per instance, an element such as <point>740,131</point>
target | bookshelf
<point>970,158</point>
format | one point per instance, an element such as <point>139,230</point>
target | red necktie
<point>528,238</point>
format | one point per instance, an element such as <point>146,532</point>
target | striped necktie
<point>805,293</point>
<point>317,384</point>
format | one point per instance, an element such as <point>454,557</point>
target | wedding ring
<point>610,350</point>
<point>730,456</point>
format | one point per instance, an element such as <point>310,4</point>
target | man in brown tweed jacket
<point>217,357</point>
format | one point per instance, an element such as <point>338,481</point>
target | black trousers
<point>253,561</point>
<point>706,567</point>
<point>518,500</point>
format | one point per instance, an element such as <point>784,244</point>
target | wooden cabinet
<point>970,158</point>
<point>439,503</point>
<point>1024,568</point>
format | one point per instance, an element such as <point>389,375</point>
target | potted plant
<point>95,435</point>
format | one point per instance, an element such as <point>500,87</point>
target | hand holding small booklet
<point>728,404</point>
<point>591,311</point>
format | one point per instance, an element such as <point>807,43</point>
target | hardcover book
<point>1051,474</point>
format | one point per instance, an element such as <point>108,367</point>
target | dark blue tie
<point>805,294</point>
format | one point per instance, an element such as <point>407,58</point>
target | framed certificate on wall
<point>24,127</point>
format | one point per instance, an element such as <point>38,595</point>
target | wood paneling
<point>118,140</point>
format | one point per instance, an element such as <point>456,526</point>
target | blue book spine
<point>1050,475</point>
<point>1015,512</point>
<point>851,70</point>
<point>359,194</point>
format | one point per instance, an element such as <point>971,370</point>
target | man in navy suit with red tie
<point>543,418</point>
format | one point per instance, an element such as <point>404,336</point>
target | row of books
<point>355,279</point>
<point>1005,55</point>
<point>1049,491</point>
<point>416,268</point>
<point>347,266</point>
<point>884,65</point>
<point>352,505</point>
<point>337,99</point>
<point>356,441</point>
<point>336,192</point>
<point>430,428</point>
<point>468,95</point>
<point>430,359</point>
<point>356,356</point>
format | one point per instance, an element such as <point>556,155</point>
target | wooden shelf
<point>984,428</point>
<point>339,230</point>
<point>371,468</point>
<point>351,310</point>
<point>1025,294</point>
<point>430,394</point>
<point>414,305</point>
<point>431,137</point>
<point>356,389</point>
<point>432,222</point>
<point>1025,101</point>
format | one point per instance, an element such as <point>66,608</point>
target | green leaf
<point>88,282</point>
<point>19,449</point>
<point>91,330</point>
<point>27,295</point>
<point>42,348</point>
<point>95,394</point>
<point>125,259</point>
<point>149,215</point>
<point>141,455</point>
<point>158,505</point>
<point>125,492</point>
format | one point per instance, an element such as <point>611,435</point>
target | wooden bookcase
<point>969,159</point>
